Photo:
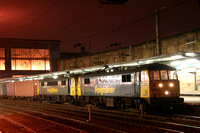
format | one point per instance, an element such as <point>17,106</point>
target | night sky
<point>92,24</point>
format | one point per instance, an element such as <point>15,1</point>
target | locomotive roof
<point>156,66</point>
<point>119,70</point>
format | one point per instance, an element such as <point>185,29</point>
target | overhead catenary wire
<point>54,4</point>
<point>104,33</point>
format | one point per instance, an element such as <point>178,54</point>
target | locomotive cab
<point>163,84</point>
<point>160,86</point>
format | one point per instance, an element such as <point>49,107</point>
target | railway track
<point>127,122</point>
<point>79,126</point>
<point>33,124</point>
<point>9,125</point>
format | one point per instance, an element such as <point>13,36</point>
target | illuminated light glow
<point>190,54</point>
<point>38,78</point>
<point>28,79</point>
<point>2,64</point>
<point>75,71</point>
<point>129,64</point>
<point>123,64</point>
<point>55,76</point>
<point>166,92</point>
<point>32,64</point>
<point>190,42</point>
<point>140,62</point>
<point>66,75</point>
<point>149,61</point>
<point>33,68</point>
<point>47,65</point>
<point>185,62</point>
<point>171,85</point>
<point>176,57</point>
<point>160,85</point>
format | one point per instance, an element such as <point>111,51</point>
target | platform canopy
<point>178,60</point>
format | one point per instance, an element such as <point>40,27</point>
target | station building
<point>20,57</point>
<point>185,45</point>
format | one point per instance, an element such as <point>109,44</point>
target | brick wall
<point>174,44</point>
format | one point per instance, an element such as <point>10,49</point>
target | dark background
<point>94,25</point>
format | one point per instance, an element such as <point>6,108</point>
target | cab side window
<point>144,76</point>
<point>172,75</point>
<point>163,74</point>
<point>126,78</point>
<point>154,75</point>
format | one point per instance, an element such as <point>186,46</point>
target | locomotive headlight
<point>166,92</point>
<point>171,85</point>
<point>160,85</point>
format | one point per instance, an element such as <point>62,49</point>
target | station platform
<point>193,100</point>
<point>190,93</point>
<point>191,97</point>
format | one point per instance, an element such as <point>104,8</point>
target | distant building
<point>20,57</point>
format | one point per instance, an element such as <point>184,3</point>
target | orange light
<point>166,92</point>
<point>160,85</point>
<point>171,85</point>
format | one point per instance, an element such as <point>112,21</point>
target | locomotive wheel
<point>62,101</point>
<point>72,101</point>
<point>95,102</point>
<point>121,105</point>
<point>82,101</point>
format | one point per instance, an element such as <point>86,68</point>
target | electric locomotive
<point>152,85</point>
